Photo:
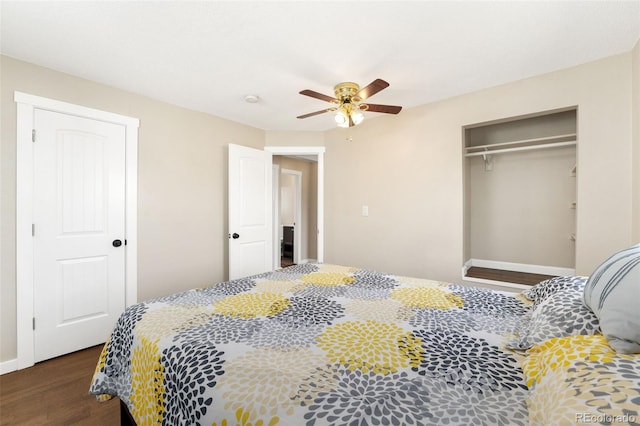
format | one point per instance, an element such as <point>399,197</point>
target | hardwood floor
<point>506,276</point>
<point>56,392</point>
<point>286,261</point>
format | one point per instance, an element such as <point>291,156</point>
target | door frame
<point>275,217</point>
<point>317,151</point>
<point>26,105</point>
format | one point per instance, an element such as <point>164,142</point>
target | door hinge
<point>34,323</point>
<point>33,229</point>
<point>33,135</point>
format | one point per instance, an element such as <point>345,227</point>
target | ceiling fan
<point>349,102</point>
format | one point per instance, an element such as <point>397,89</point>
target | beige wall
<point>636,141</point>
<point>408,170</point>
<point>182,201</point>
<point>282,138</point>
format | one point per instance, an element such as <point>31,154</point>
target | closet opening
<point>520,198</point>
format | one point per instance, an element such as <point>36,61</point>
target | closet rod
<point>534,141</point>
<point>522,148</point>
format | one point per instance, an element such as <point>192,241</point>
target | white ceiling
<point>208,55</point>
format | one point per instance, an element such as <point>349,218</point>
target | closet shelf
<point>522,145</point>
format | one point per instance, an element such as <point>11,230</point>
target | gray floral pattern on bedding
<point>560,313</point>
<point>319,344</point>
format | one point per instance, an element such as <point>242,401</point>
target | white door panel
<point>250,215</point>
<point>85,288</point>
<point>79,210</point>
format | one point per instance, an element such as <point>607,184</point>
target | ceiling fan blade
<point>311,114</point>
<point>317,95</point>
<point>387,109</point>
<point>373,88</point>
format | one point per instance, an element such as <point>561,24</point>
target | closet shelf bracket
<point>488,160</point>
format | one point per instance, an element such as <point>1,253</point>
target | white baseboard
<point>519,267</point>
<point>303,261</point>
<point>8,366</point>
<point>466,267</point>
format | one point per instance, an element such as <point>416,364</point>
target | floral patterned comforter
<point>580,379</point>
<point>319,344</point>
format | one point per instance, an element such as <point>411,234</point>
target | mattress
<point>320,344</point>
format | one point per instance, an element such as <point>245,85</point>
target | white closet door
<point>79,228</point>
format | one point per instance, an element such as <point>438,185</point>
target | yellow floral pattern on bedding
<point>582,380</point>
<point>251,305</point>
<point>370,346</point>
<point>318,344</point>
<point>327,278</point>
<point>427,297</point>
<point>147,383</point>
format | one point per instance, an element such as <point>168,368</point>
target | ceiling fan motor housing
<point>346,92</point>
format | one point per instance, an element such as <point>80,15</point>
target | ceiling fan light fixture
<point>348,114</point>
<point>357,117</point>
<point>342,119</point>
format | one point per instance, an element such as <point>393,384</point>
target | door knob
<point>235,236</point>
<point>116,243</point>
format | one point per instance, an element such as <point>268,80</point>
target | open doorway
<point>295,210</point>
<point>311,222</point>
<point>291,223</point>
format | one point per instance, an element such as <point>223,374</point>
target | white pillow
<point>612,292</point>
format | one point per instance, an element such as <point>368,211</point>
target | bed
<point>320,344</point>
